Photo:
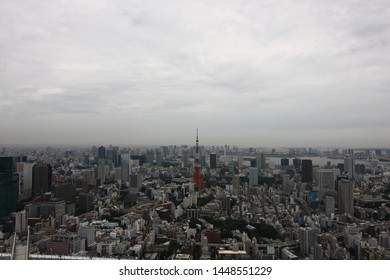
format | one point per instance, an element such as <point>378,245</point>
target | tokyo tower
<point>197,178</point>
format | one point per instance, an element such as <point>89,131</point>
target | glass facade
<point>8,191</point>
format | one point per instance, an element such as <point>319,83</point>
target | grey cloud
<point>224,66</point>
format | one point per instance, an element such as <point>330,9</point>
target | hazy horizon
<point>191,145</point>
<point>255,73</point>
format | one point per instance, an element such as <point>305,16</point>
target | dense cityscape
<point>192,202</point>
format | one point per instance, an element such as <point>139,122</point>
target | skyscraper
<point>116,156</point>
<point>349,165</point>
<point>306,240</point>
<point>297,163</point>
<point>307,171</point>
<point>236,184</point>
<point>185,155</point>
<point>213,160</point>
<point>135,183</point>
<point>345,197</point>
<point>27,175</point>
<point>329,205</point>
<point>159,158</point>
<point>101,173</point>
<point>326,179</point>
<point>260,161</point>
<point>111,154</point>
<point>240,161</point>
<point>253,176</point>
<point>102,152</point>
<point>149,157</point>
<point>8,190</point>
<point>125,166</point>
<point>42,178</point>
<point>20,220</point>
<point>284,162</point>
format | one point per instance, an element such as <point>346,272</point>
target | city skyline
<point>255,74</point>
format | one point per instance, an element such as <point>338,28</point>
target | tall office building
<point>185,155</point>
<point>85,203</point>
<point>253,176</point>
<point>125,167</point>
<point>135,183</point>
<point>164,150</point>
<point>159,158</point>
<point>213,160</point>
<point>297,162</point>
<point>329,206</point>
<point>102,152</point>
<point>111,155</point>
<point>307,171</point>
<point>349,165</point>
<point>284,162</point>
<point>42,178</point>
<point>326,179</point>
<point>150,157</point>
<point>20,220</point>
<point>345,197</point>
<point>240,161</point>
<point>116,156</point>
<point>18,179</point>
<point>8,190</point>
<point>27,181</point>
<point>306,240</point>
<point>101,172</point>
<point>261,162</point>
<point>236,184</point>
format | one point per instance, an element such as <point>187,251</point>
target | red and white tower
<point>197,178</point>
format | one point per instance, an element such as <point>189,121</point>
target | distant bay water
<point>320,161</point>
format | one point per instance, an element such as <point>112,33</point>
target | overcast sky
<point>248,73</point>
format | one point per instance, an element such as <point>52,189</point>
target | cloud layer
<point>258,73</point>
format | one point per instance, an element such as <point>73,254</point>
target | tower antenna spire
<point>197,178</point>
